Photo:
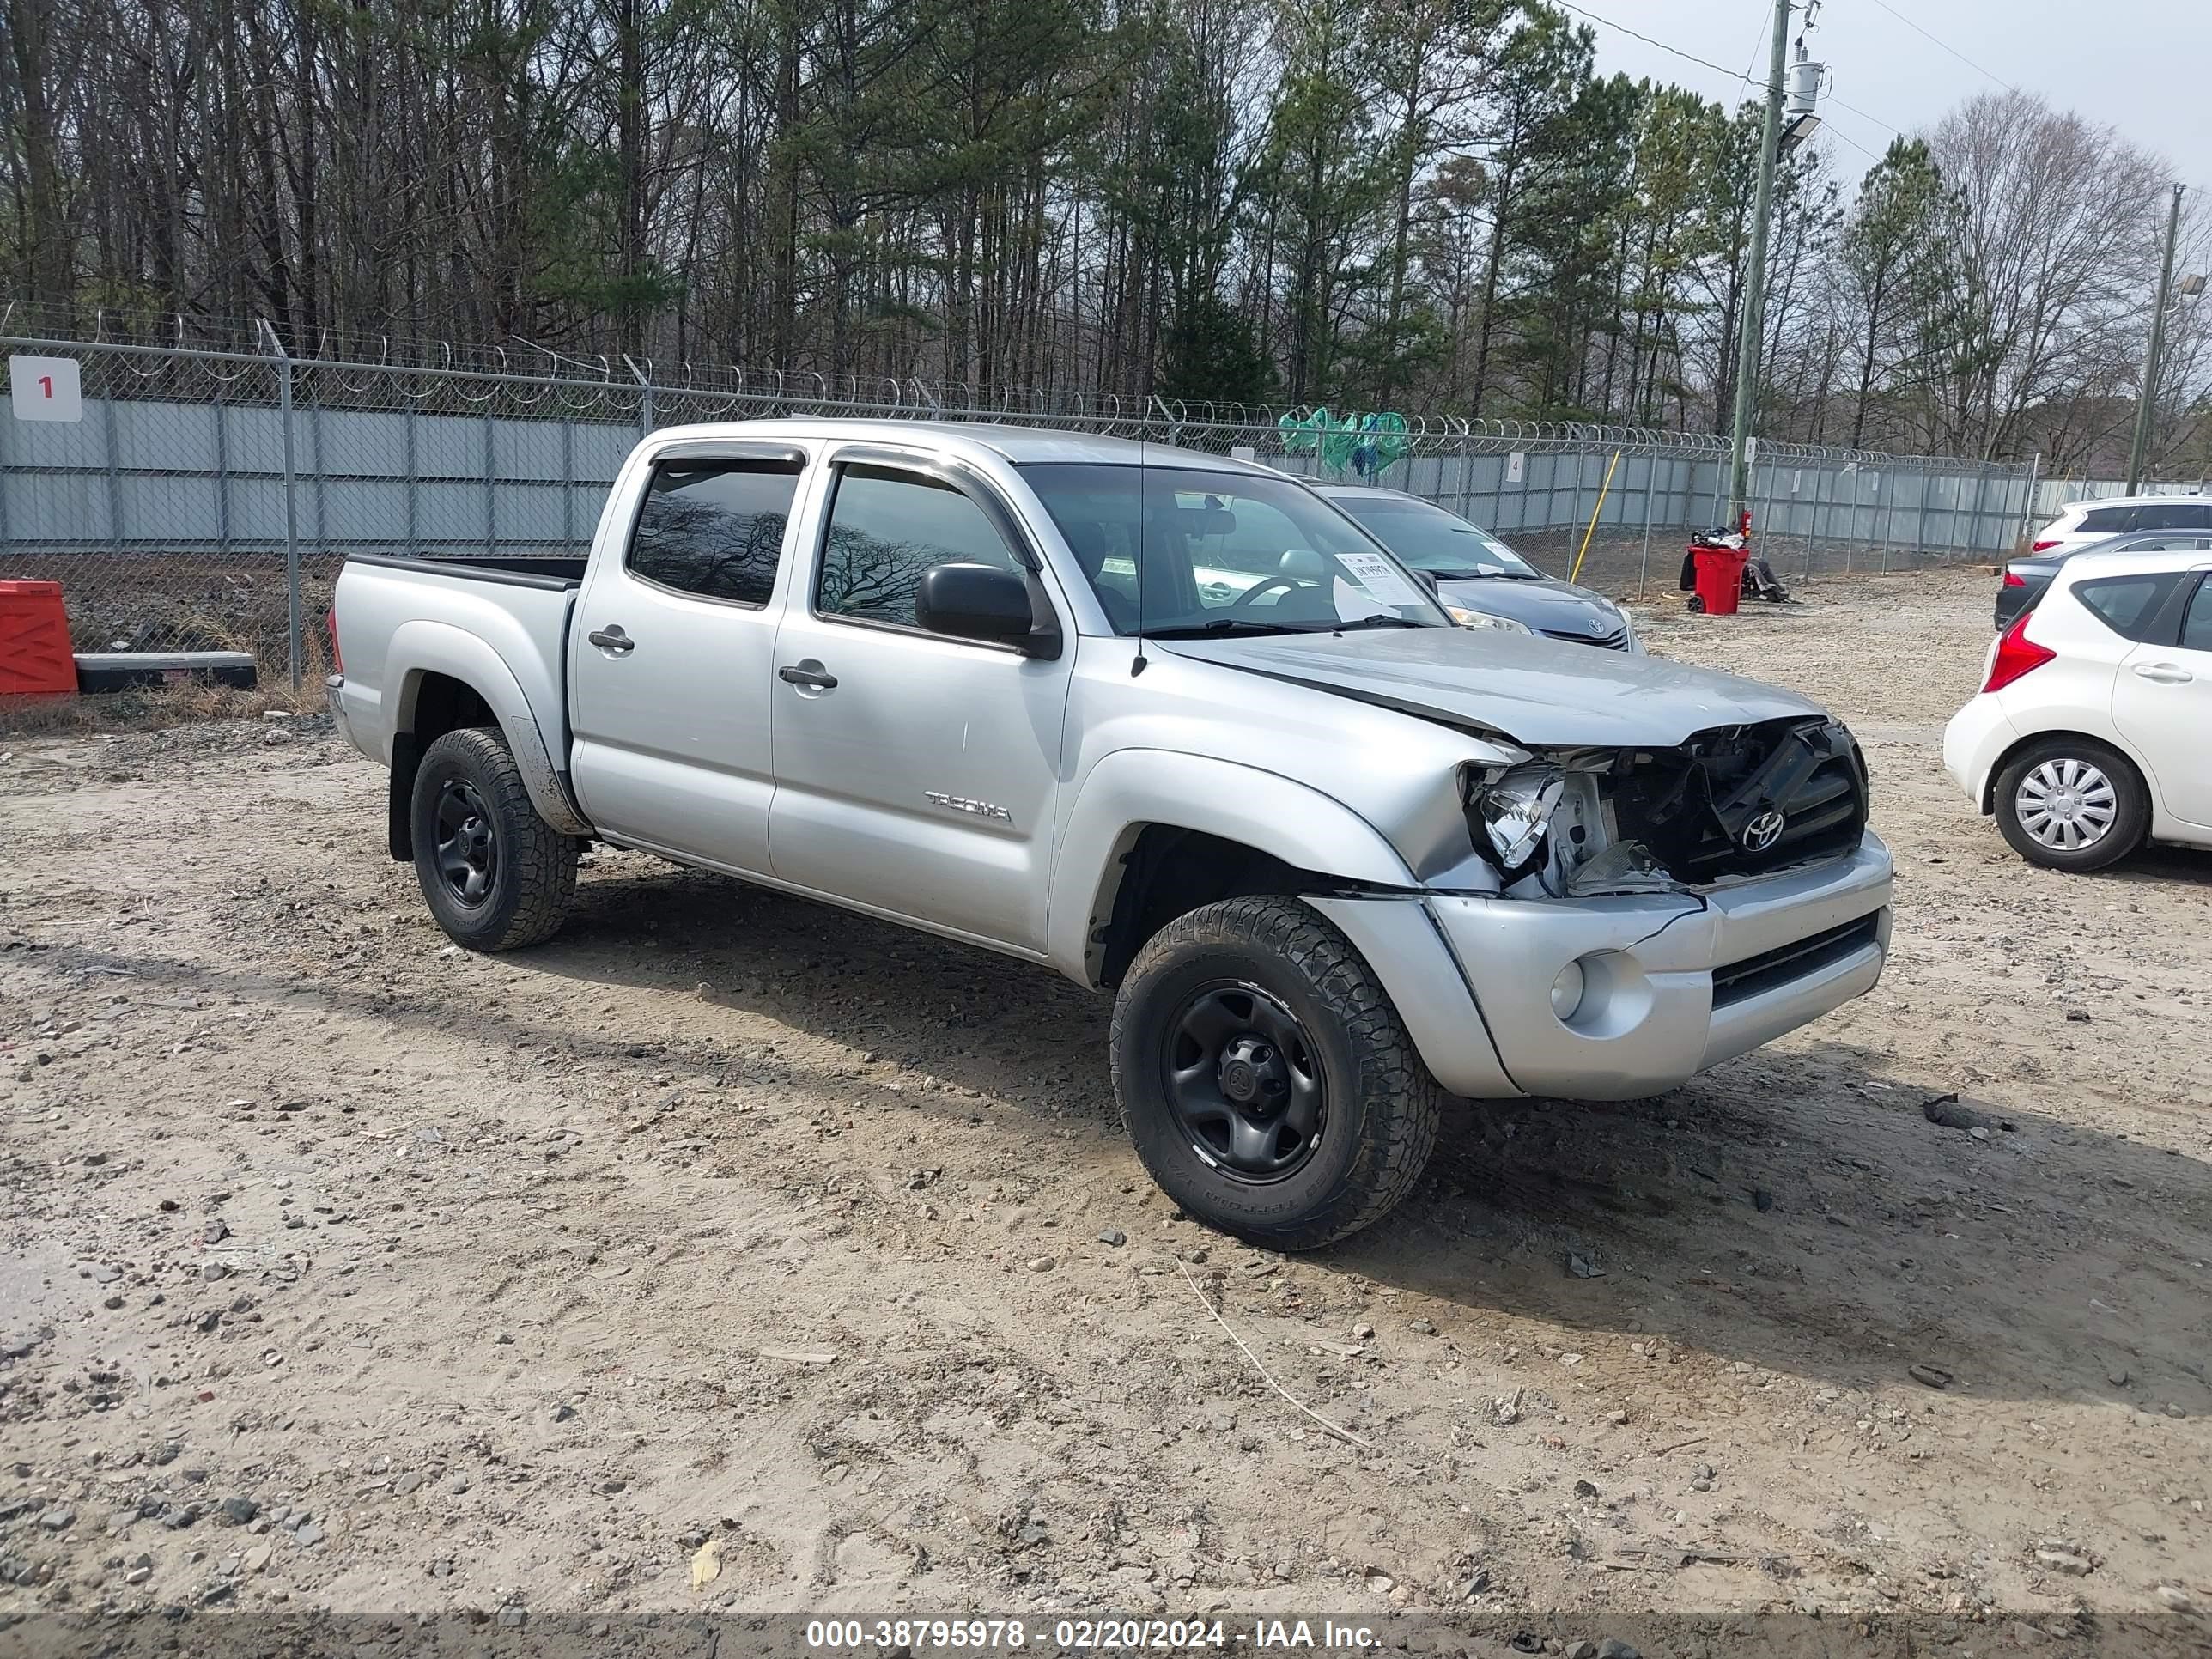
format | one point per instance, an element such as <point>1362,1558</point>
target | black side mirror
<point>983,602</point>
<point>1428,579</point>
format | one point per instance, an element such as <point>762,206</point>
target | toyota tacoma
<point>1169,724</point>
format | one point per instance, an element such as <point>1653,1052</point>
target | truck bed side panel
<point>502,633</point>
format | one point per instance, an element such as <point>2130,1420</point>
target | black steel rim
<point>468,847</point>
<point>1244,1082</point>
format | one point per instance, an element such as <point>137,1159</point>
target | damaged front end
<point>1730,804</point>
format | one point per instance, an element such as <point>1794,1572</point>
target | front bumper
<point>1673,982</point>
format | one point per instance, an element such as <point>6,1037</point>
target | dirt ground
<point>345,1270</point>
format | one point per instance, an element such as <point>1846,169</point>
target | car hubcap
<point>2067,805</point>
<point>1243,1081</point>
<point>468,851</point>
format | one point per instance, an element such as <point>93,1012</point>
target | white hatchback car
<point>2093,730</point>
<point>2080,524</point>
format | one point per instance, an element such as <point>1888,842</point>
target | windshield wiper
<point>1369,621</point>
<point>1218,625</point>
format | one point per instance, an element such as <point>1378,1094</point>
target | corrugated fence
<point>191,498</point>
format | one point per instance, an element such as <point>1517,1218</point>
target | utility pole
<point>2139,451</point>
<point>1749,337</point>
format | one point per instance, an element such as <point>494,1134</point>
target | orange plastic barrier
<point>34,639</point>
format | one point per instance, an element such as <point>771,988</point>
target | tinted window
<point>2173,543</point>
<point>2105,520</point>
<point>2127,604</point>
<point>2172,516</point>
<point>2196,627</point>
<point>886,527</point>
<point>714,528</point>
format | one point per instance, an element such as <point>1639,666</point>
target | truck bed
<point>519,568</point>
<point>500,625</point>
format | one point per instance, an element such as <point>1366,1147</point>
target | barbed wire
<point>353,371</point>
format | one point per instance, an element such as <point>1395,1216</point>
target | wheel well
<point>441,704</point>
<point>1169,871</point>
<point>2059,735</point>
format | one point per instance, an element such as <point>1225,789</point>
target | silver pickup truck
<point>1170,724</point>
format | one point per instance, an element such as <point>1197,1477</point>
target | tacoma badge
<point>981,809</point>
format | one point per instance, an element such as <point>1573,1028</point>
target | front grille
<point>1786,962</point>
<point>1603,641</point>
<point>1743,800</point>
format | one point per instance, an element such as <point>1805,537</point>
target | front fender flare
<point>1132,788</point>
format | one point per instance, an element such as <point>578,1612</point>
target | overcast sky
<point>2139,65</point>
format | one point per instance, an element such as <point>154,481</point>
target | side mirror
<point>1428,579</point>
<point>977,601</point>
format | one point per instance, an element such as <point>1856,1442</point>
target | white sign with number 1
<point>45,388</point>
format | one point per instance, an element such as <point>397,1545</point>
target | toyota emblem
<point>1763,831</point>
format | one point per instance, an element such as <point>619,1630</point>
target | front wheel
<point>1269,1086</point>
<point>496,875</point>
<point>2070,803</point>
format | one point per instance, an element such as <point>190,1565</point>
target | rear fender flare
<point>436,647</point>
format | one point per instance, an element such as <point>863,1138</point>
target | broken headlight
<point>1514,809</point>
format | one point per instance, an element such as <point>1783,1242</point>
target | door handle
<point>612,640</point>
<point>808,676</point>
<point>2165,673</point>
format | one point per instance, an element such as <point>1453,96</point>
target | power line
<point>1686,56</point>
<point>1876,119</point>
<point>1747,78</point>
<point>1947,47</point>
<point>1836,131</point>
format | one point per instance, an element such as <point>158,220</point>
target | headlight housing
<point>1514,809</point>
<point>1467,618</point>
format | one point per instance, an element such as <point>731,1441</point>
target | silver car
<point>1167,724</point>
<point>1483,582</point>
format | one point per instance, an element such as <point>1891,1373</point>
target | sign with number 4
<point>45,388</point>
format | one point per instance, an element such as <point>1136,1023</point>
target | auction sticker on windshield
<point>1379,577</point>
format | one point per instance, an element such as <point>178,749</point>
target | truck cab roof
<point>1018,445</point>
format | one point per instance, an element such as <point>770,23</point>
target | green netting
<point>1361,445</point>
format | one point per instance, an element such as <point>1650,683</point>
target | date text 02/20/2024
<point>975,1635</point>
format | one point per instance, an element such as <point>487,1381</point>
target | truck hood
<point>1536,692</point>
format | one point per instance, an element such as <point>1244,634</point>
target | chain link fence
<point>204,498</point>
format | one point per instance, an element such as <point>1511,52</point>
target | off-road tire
<point>2130,823</point>
<point>1382,1106</point>
<point>534,876</point>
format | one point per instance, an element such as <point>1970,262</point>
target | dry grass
<point>181,702</point>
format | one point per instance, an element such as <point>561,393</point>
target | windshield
<point>1429,538</point>
<point>1224,553</point>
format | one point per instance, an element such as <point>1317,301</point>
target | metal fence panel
<point>206,498</point>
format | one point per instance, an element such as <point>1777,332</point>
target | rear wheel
<point>2071,802</point>
<point>496,875</point>
<point>1269,1083</point>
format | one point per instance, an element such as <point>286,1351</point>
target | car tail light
<point>2016,655</point>
<point>2012,579</point>
<point>331,625</point>
<point>2042,547</point>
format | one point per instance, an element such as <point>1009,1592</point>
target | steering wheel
<point>1243,601</point>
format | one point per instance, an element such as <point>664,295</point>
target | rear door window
<point>2107,520</point>
<point>2131,606</point>
<point>714,528</point>
<point>2196,625</point>
<point>2173,516</point>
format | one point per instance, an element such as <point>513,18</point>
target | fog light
<point>1567,991</point>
